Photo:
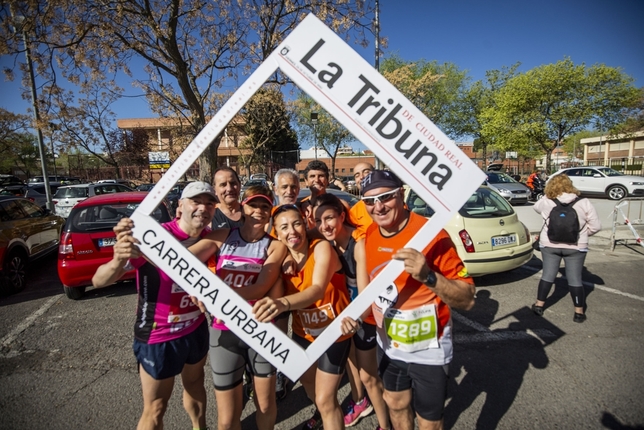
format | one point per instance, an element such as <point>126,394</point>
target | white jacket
<point>588,220</point>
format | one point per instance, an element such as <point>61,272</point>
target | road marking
<point>486,335</point>
<point>592,285</point>
<point>7,339</point>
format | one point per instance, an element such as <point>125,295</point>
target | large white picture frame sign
<point>344,84</point>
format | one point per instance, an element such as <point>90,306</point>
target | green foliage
<point>328,134</point>
<point>436,89</point>
<point>541,107</point>
<point>267,129</point>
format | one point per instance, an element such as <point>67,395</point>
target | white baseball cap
<point>194,189</point>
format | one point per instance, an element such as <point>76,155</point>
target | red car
<point>87,240</point>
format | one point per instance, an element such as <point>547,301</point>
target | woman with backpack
<point>568,222</point>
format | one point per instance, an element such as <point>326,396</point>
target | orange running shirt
<point>359,217</point>
<point>310,322</point>
<point>413,323</point>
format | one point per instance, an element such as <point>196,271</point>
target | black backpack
<point>563,223</point>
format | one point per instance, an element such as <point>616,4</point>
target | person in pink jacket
<point>560,187</point>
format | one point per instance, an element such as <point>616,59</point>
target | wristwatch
<point>431,280</point>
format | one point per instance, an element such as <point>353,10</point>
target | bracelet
<point>359,321</point>
<point>289,304</point>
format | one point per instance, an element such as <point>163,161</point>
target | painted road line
<point>7,339</point>
<point>486,335</point>
<point>592,285</point>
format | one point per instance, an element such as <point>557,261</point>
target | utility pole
<point>376,25</point>
<point>19,20</point>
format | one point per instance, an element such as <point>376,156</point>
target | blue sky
<point>480,35</point>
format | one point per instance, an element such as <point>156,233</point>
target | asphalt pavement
<point>68,364</point>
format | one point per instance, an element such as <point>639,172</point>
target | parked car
<point>251,183</point>
<point>604,181</point>
<point>130,185</point>
<point>68,196</point>
<point>11,186</point>
<point>87,240</point>
<point>61,180</point>
<point>36,193</point>
<point>487,232</point>
<point>144,187</point>
<point>349,198</point>
<point>27,232</point>
<point>263,176</point>
<point>512,190</point>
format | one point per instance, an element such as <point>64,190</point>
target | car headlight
<point>503,190</point>
<point>637,183</point>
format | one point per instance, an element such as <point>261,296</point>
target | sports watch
<point>431,280</point>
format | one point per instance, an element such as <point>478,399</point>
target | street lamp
<point>19,20</point>
<point>314,121</point>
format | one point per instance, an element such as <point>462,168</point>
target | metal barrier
<point>631,209</point>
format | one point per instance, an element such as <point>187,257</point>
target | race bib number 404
<point>412,330</point>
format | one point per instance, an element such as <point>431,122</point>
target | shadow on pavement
<point>515,275</point>
<point>610,422</point>
<point>491,369</point>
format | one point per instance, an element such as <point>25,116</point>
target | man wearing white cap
<point>171,333</point>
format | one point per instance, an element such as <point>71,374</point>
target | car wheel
<point>616,192</point>
<point>74,293</point>
<point>15,270</point>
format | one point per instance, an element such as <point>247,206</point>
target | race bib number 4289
<point>412,330</point>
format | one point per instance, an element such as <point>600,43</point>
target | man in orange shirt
<point>413,319</point>
<point>358,214</point>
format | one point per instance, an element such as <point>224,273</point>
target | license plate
<point>504,240</point>
<point>110,241</point>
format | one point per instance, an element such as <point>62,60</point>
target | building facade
<point>622,152</point>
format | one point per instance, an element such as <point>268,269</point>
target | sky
<point>479,35</point>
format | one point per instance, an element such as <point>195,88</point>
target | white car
<point>67,197</point>
<point>604,181</point>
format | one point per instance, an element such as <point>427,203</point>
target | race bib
<point>412,330</point>
<point>314,321</point>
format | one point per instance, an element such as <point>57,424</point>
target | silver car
<point>513,191</point>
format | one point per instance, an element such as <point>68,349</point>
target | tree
<point>635,120</point>
<point>550,102</point>
<point>188,49</point>
<point>478,97</point>
<point>11,126</point>
<point>266,126</point>
<point>435,89</point>
<point>327,133</point>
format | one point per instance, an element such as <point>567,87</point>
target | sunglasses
<point>284,208</point>
<point>382,198</point>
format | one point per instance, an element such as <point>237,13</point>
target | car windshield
<point>105,217</point>
<point>499,178</point>
<point>72,192</point>
<point>485,203</point>
<point>610,172</point>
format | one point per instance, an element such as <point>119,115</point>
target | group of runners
<point>299,263</point>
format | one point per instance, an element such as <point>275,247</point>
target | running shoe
<point>355,411</point>
<point>280,385</point>
<point>314,423</point>
<point>249,392</point>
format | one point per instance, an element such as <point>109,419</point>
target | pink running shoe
<point>355,411</point>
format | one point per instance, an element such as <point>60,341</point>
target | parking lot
<point>68,364</point>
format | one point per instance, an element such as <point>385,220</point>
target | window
<point>12,211</point>
<point>30,209</point>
